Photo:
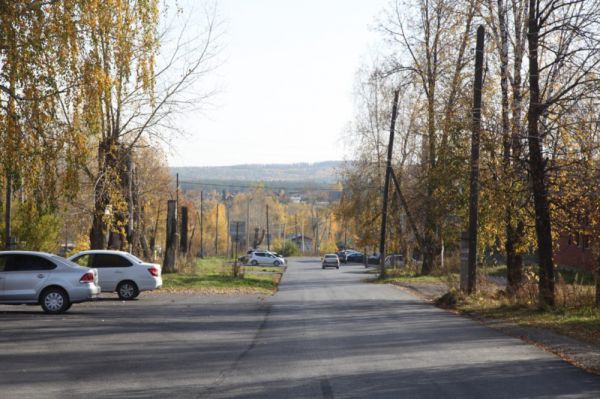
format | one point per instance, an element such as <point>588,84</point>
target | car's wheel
<point>55,300</point>
<point>127,290</point>
<point>254,263</point>
<point>276,263</point>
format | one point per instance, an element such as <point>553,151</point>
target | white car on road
<point>121,272</point>
<point>265,258</point>
<point>28,277</point>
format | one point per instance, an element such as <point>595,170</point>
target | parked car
<point>265,258</point>
<point>278,256</point>
<point>374,259</point>
<point>356,257</point>
<point>121,272</point>
<point>28,277</point>
<point>343,255</point>
<point>331,260</point>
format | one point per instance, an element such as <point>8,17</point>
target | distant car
<point>28,277</point>
<point>121,272</point>
<point>374,259</point>
<point>356,257</point>
<point>331,260</point>
<point>265,258</point>
<point>343,255</point>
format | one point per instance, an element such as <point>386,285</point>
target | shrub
<point>287,248</point>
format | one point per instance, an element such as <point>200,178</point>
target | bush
<point>287,248</point>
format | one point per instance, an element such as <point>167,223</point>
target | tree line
<point>539,141</point>
<point>88,95</point>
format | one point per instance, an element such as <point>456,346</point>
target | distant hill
<point>319,173</point>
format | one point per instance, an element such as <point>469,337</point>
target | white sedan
<point>121,272</point>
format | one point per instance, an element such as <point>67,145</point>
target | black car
<point>343,254</point>
<point>374,259</point>
<point>355,257</point>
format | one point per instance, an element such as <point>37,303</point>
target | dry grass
<point>574,314</point>
<point>216,276</point>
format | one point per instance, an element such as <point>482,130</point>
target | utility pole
<point>474,184</point>
<point>302,236</point>
<point>201,224</point>
<point>217,232</point>
<point>183,245</point>
<point>317,247</point>
<point>7,227</point>
<point>386,186</point>
<point>130,192</point>
<point>268,235</point>
<point>235,261</point>
<point>248,222</point>
<point>296,225</point>
<point>171,244</point>
<point>177,188</point>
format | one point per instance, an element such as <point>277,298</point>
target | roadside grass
<point>215,276</point>
<point>569,275</point>
<point>410,276</point>
<point>581,323</point>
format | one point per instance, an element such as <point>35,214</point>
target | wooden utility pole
<point>386,186</point>
<point>474,184</point>
<point>202,224</point>
<point>237,238</point>
<point>171,244</point>
<point>183,246</point>
<point>7,215</point>
<point>248,223</point>
<point>177,189</point>
<point>217,232</point>
<point>317,241</point>
<point>130,166</point>
<point>268,234</point>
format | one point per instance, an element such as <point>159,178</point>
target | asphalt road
<point>326,334</point>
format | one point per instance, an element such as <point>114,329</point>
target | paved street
<point>326,334</point>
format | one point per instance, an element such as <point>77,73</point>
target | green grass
<point>214,276</point>
<point>402,276</point>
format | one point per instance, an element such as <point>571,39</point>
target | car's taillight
<point>88,277</point>
<point>153,271</point>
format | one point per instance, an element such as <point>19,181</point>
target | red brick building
<point>574,250</point>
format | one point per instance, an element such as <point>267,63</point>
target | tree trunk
<point>428,259</point>
<point>537,166</point>
<point>598,282</point>
<point>514,259</point>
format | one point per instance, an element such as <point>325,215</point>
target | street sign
<point>237,230</point>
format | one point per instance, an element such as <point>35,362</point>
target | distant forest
<point>237,177</point>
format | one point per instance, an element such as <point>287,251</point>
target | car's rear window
<point>330,256</point>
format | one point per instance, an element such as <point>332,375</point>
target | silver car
<point>265,258</point>
<point>331,260</point>
<point>28,277</point>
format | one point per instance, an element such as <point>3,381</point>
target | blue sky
<point>285,83</point>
